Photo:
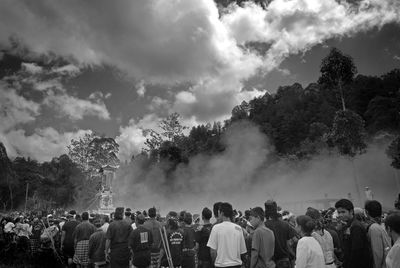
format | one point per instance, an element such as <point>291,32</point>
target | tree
<point>393,152</point>
<point>348,136</point>
<point>91,152</point>
<point>337,71</point>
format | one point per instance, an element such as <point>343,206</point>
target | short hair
<point>306,223</point>
<point>140,219</point>
<point>182,215</point>
<point>187,218</point>
<point>216,208</point>
<point>85,216</point>
<point>257,212</point>
<point>271,209</point>
<point>97,223</point>
<point>393,221</point>
<point>128,213</point>
<point>344,203</point>
<point>227,209</point>
<point>152,212</point>
<point>106,218</point>
<point>374,208</point>
<point>206,213</point>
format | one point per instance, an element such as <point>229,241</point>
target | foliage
<point>393,152</point>
<point>347,133</point>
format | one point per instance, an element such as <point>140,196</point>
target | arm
<point>357,246</point>
<point>255,250</point>
<point>213,253</point>
<point>62,238</point>
<point>107,249</point>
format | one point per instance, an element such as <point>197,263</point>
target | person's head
<point>152,212</point>
<point>187,218</point>
<point>392,224</point>
<point>85,216</point>
<point>128,213</point>
<point>133,217</point>
<point>118,214</point>
<point>305,225</point>
<point>97,223</point>
<point>182,215</point>
<point>316,216</point>
<point>172,220</point>
<point>345,209</point>
<point>256,217</point>
<point>104,219</point>
<point>271,209</point>
<point>374,209</point>
<point>140,219</point>
<point>216,209</point>
<point>225,211</point>
<point>206,214</point>
<point>78,217</point>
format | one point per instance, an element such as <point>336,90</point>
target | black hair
<point>344,203</point>
<point>106,218</point>
<point>374,208</point>
<point>271,209</point>
<point>227,209</point>
<point>216,208</point>
<point>132,216</point>
<point>128,213</point>
<point>187,218</point>
<point>206,213</point>
<point>85,216</point>
<point>152,212</point>
<point>140,220</point>
<point>173,224</point>
<point>306,223</point>
<point>257,212</point>
<point>393,221</point>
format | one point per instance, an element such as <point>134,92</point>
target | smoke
<point>247,174</point>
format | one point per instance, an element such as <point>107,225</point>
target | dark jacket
<point>97,246</point>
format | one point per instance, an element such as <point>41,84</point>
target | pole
<point>26,195</point>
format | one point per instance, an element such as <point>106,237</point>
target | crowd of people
<point>342,236</point>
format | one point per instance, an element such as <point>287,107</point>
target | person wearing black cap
<point>140,242</point>
<point>118,232</point>
<point>283,234</point>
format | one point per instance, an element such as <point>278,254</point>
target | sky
<point>116,67</point>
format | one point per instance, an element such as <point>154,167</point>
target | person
<point>67,238</point>
<point>262,242</point>
<point>378,238</point>
<point>23,232</point>
<point>392,224</point>
<point>308,252</point>
<point>37,230</point>
<point>226,242</point>
<point>140,242</point>
<point>128,213</point>
<point>354,237</point>
<point>97,246</point>
<point>82,233</point>
<point>189,250</point>
<point>283,235</point>
<point>105,222</point>
<point>174,237</point>
<point>117,237</point>
<point>154,226</point>
<point>202,234</point>
<point>323,237</point>
<point>215,212</point>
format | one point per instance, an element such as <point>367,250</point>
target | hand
<point>107,257</point>
<point>199,228</point>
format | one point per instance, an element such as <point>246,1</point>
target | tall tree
<point>337,71</point>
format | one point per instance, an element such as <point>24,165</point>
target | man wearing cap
<point>263,241</point>
<point>226,242</point>
<point>67,239</point>
<point>140,242</point>
<point>82,234</point>
<point>97,246</point>
<point>117,237</point>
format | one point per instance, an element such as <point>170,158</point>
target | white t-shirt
<point>228,240</point>
<point>8,228</point>
<point>309,253</point>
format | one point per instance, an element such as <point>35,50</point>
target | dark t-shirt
<point>202,238</point>
<point>175,241</point>
<point>140,242</point>
<point>83,231</point>
<point>118,232</point>
<point>282,233</point>
<point>356,247</point>
<point>37,230</point>
<point>69,228</point>
<point>154,226</point>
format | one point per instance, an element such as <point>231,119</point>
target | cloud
<point>76,108</point>
<point>15,109</point>
<point>42,145</point>
<point>32,68</point>
<point>396,57</point>
<point>140,88</point>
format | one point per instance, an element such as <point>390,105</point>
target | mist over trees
<point>340,113</point>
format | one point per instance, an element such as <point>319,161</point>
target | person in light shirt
<point>309,252</point>
<point>226,242</point>
<point>392,224</point>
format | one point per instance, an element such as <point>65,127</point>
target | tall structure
<point>106,205</point>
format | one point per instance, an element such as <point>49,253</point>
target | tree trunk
<point>342,96</point>
<point>11,192</point>
<point>355,174</point>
